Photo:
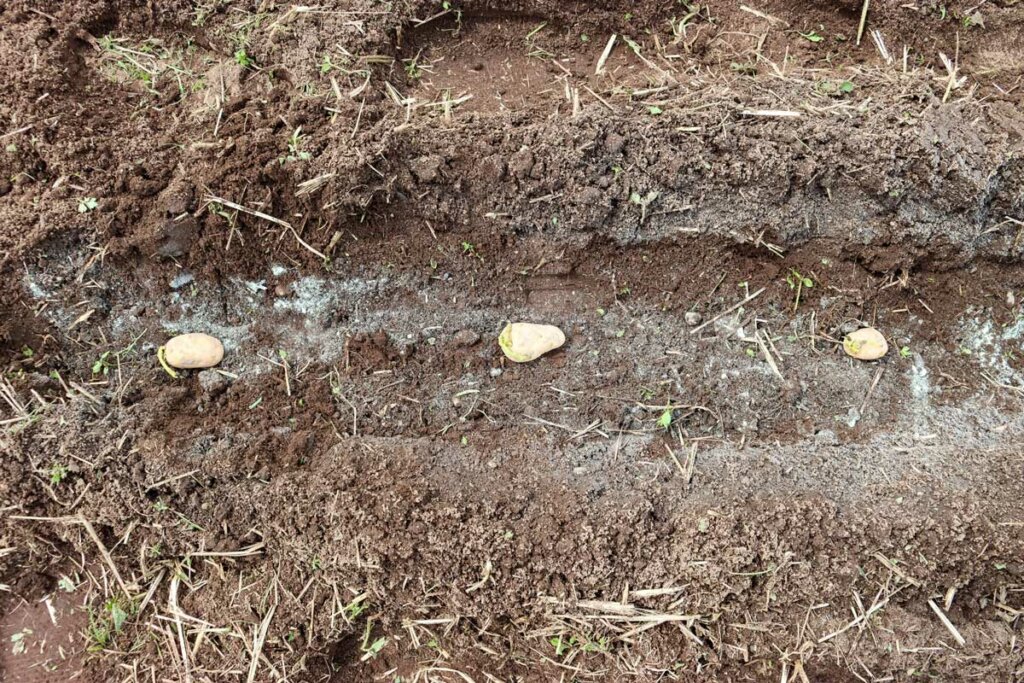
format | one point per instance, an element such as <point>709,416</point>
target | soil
<point>356,196</point>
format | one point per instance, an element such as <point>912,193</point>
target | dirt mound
<point>355,197</point>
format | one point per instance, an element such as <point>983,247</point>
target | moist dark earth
<point>356,196</point>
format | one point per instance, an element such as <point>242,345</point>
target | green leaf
<point>376,646</point>
<point>117,615</point>
<point>665,421</point>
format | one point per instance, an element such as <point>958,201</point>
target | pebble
<point>865,344</point>
<point>849,327</point>
<point>826,437</point>
<point>524,342</point>
<point>465,338</point>
<point>193,350</point>
<point>182,279</point>
<point>213,382</point>
<point>693,318</point>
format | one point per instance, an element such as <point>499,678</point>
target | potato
<point>192,351</point>
<point>865,344</point>
<point>524,342</point>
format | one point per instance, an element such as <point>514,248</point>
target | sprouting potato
<point>865,344</point>
<point>524,342</point>
<point>192,351</point>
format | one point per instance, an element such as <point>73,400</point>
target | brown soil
<point>356,196</point>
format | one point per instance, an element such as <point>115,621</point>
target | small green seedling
<point>58,473</point>
<point>371,650</point>
<point>243,59</point>
<point>295,151</point>
<point>643,201</point>
<point>905,352</point>
<point>470,249</point>
<point>354,609</point>
<point>19,644</point>
<point>835,89</point>
<point>86,204</point>
<point>103,626</point>
<point>412,67</point>
<point>561,645</point>
<point>665,420</point>
<point>566,646</point>
<point>102,365</point>
<point>812,36</point>
<point>655,110</point>
<point>798,282</point>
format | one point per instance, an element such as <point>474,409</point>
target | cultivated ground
<point>356,195</point>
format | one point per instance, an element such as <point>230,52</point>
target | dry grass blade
<point>947,623</point>
<point>254,549</point>
<point>776,113</point>
<point>727,311</point>
<point>106,555</point>
<point>313,184</point>
<point>605,55</point>
<point>863,20</point>
<point>18,409</point>
<point>172,606</point>
<point>257,645</point>
<point>211,199</point>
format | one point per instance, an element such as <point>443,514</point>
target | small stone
<point>521,163</point>
<point>590,196</point>
<point>177,237</point>
<point>826,437</point>
<point>614,143</point>
<point>213,383</point>
<point>849,327</point>
<point>492,168</point>
<point>865,344</point>
<point>181,279</point>
<point>465,338</point>
<point>693,318</point>
<point>426,168</point>
<point>496,372</point>
<point>193,351</point>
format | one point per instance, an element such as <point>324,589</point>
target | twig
<point>727,311</point>
<point>779,113</point>
<point>257,645</point>
<point>946,622</point>
<point>863,20</point>
<point>106,555</point>
<point>605,55</point>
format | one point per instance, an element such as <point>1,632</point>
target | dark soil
<point>356,196</point>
